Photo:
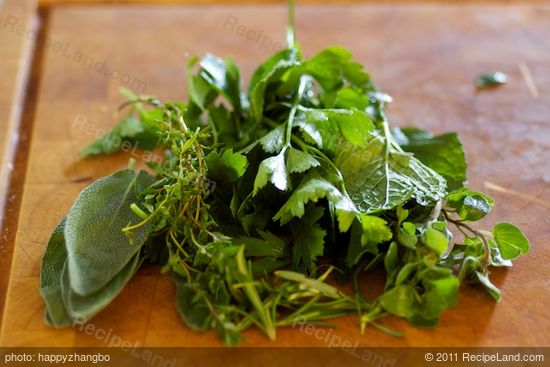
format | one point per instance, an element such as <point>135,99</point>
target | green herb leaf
<point>272,169</point>
<point>510,241</point>
<point>443,153</point>
<point>400,301</point>
<point>97,248</point>
<point>470,205</point>
<point>227,166</point>
<point>53,263</point>
<point>490,287</point>
<point>308,240</point>
<point>491,80</point>
<point>379,177</point>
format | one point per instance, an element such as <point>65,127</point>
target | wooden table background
<point>426,56</point>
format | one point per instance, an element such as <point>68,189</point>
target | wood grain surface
<point>195,2</point>
<point>15,61</point>
<point>425,56</point>
<point>16,17</point>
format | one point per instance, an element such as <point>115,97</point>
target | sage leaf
<point>83,308</point>
<point>97,248</point>
<point>51,270</point>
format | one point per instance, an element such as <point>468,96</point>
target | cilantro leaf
<point>312,188</point>
<point>308,241</point>
<point>299,161</point>
<point>227,166</point>
<point>272,169</point>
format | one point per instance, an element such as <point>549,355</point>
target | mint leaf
<point>491,80</point>
<point>443,153</point>
<point>510,241</point>
<point>257,95</point>
<point>333,66</point>
<point>470,205</point>
<point>224,77</point>
<point>435,240</point>
<point>380,177</point>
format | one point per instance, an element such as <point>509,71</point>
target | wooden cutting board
<point>425,56</point>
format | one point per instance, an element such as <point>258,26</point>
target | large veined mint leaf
<point>381,177</point>
<point>443,153</point>
<point>97,248</point>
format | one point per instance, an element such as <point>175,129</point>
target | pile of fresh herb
<point>264,194</point>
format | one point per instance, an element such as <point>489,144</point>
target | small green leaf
<point>470,205</point>
<point>372,232</point>
<point>227,166</point>
<point>298,161</point>
<point>308,240</point>
<point>490,287</point>
<point>333,66</point>
<point>272,169</point>
<point>435,240</point>
<point>400,300</point>
<point>273,141</point>
<point>491,80</point>
<point>407,235</point>
<point>191,307</point>
<point>510,241</point>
